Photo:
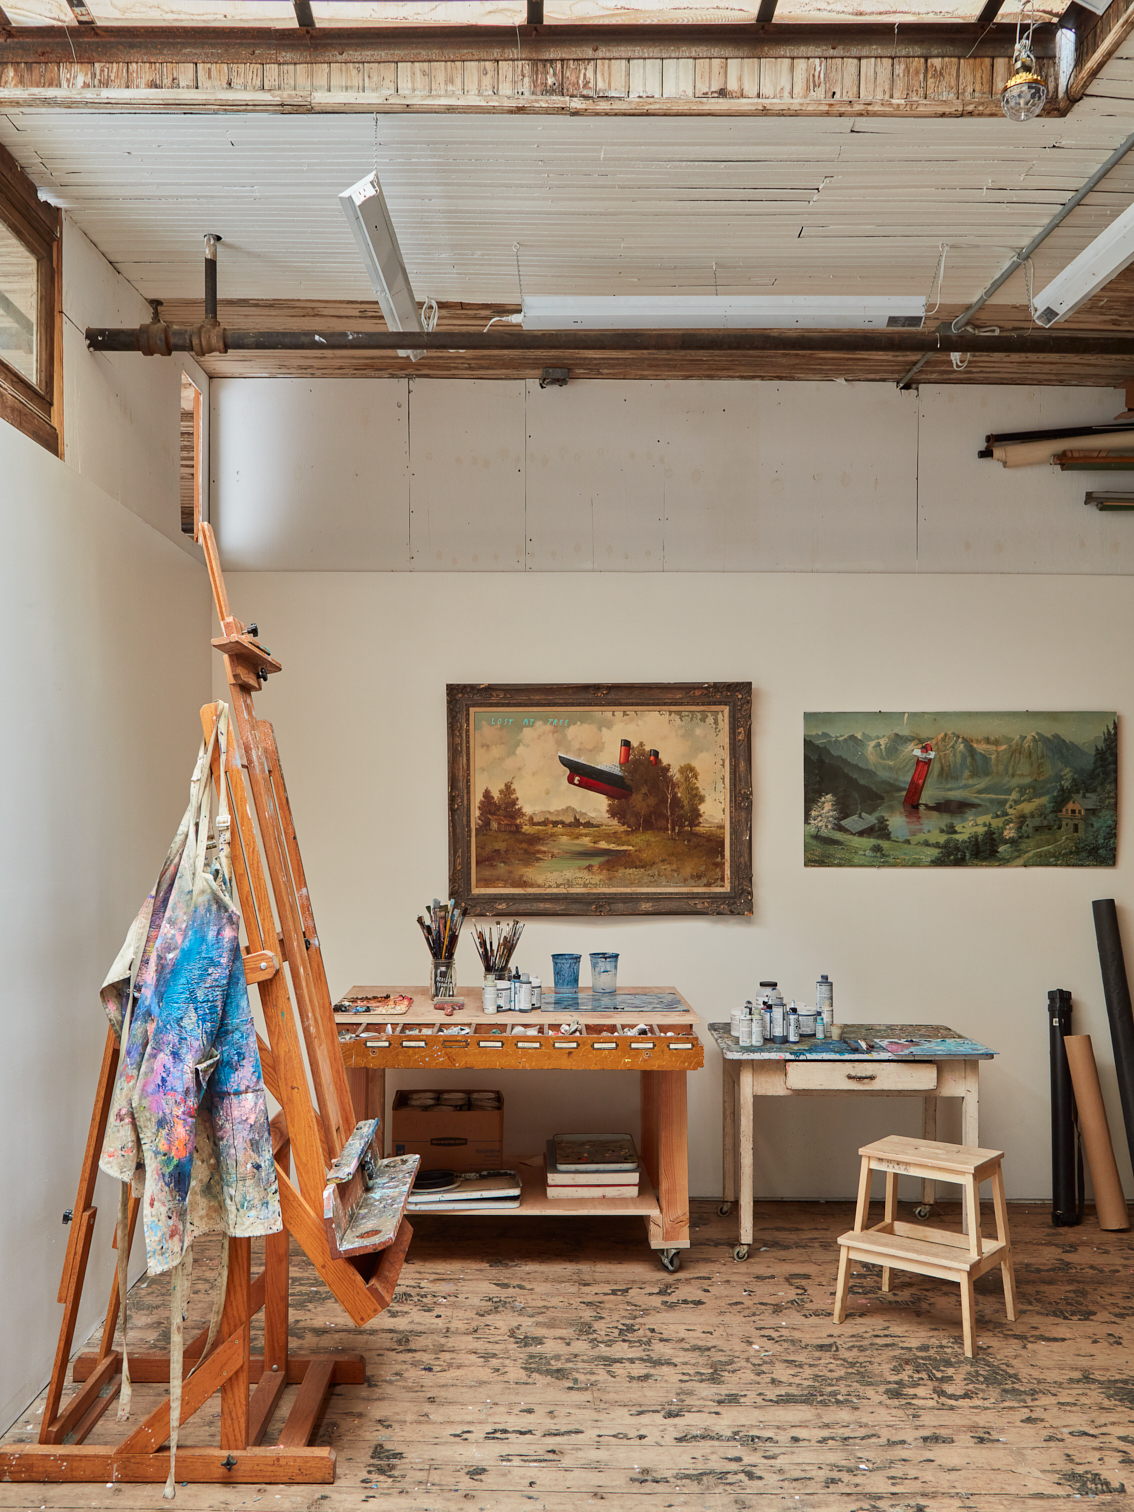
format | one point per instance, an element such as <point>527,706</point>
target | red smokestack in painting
<point>653,758</point>
<point>624,753</point>
<point>923,755</point>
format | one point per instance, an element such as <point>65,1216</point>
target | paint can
<point>779,1020</point>
<point>734,1019</point>
<point>745,1036</point>
<point>825,1001</point>
<point>807,1021</point>
<point>757,1027</point>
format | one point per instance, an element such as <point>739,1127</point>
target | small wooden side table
<point>941,1063</point>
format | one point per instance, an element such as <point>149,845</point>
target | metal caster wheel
<point>725,1209</point>
<point>670,1259</point>
<point>922,1212</point>
<point>740,1252</point>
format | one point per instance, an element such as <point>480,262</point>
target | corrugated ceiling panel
<point>596,206</point>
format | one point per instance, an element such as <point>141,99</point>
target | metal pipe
<point>1018,259</point>
<point>211,242</point>
<point>1020,343</point>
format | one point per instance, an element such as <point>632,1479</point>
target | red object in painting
<point>925,755</point>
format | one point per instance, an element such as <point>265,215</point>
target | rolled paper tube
<point>1036,453</point>
<point>1110,1204</point>
<point>1116,990</point>
<point>1066,1155</point>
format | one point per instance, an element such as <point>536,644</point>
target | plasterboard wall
<point>121,414</point>
<point>390,475</point>
<point>359,714</point>
<point>106,623</point>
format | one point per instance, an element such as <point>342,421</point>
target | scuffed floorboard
<point>554,1365</point>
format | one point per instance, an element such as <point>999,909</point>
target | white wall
<point>121,412</point>
<point>411,475</point>
<point>360,719</point>
<point>104,617</point>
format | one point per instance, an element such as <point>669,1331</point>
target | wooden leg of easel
<point>274,1376</point>
<point>78,1247</point>
<point>277,1276</point>
<point>234,1390</point>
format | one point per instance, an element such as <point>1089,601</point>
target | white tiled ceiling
<point>597,205</point>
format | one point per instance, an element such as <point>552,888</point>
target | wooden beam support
<point>88,1462</point>
<point>1096,42</point>
<point>989,12</point>
<point>303,15</point>
<point>423,44</point>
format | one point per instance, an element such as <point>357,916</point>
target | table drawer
<point>861,1076</point>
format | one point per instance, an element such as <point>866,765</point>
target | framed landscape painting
<point>616,798</point>
<point>969,789</point>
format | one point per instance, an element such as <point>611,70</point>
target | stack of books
<point>591,1165</point>
<point>464,1192</point>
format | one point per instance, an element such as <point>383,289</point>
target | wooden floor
<point>555,1365</point>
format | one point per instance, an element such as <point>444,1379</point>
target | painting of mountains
<point>961,789</point>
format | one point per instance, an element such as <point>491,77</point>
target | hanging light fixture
<point>1025,94</point>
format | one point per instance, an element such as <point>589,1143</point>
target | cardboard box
<point>447,1138</point>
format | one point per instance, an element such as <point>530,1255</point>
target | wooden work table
<point>939,1063</point>
<point>424,1039</point>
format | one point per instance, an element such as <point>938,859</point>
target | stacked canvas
<point>465,1192</point>
<point>591,1165</point>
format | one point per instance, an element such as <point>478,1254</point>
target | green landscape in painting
<point>533,832</point>
<point>1005,789</point>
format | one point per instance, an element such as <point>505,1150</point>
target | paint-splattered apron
<point>189,1120</point>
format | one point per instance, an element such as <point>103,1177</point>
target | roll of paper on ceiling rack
<point>1110,1204</point>
<point>1116,989</point>
<point>1066,1153</point>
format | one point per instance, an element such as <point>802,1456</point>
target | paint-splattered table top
<point>875,1042</point>
<point>649,1003</point>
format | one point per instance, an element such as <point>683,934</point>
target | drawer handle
<point>860,1076</point>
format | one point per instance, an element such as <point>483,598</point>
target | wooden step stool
<point>924,1250</point>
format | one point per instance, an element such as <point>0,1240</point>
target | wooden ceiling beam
<point>174,44</point>
<point>1096,42</point>
<point>989,12</point>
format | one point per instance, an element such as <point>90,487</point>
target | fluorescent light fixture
<point>1110,252</point>
<point>710,312</point>
<point>365,208</point>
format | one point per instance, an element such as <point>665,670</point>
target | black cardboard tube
<point>1116,989</point>
<point>1066,1155</point>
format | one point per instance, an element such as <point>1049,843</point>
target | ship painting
<point>1000,788</point>
<point>606,779</point>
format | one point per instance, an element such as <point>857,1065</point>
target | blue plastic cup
<point>604,970</point>
<point>565,971</point>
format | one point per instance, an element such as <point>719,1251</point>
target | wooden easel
<point>264,849</point>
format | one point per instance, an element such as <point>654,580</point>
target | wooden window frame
<point>191,459</point>
<point>35,408</point>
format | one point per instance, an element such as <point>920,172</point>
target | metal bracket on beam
<point>304,17</point>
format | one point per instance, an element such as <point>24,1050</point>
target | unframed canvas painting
<point>968,789</point>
